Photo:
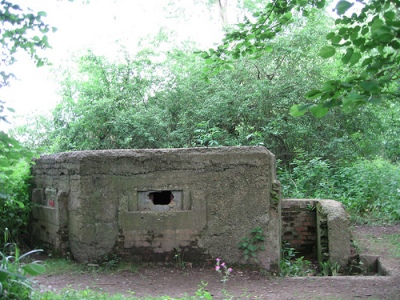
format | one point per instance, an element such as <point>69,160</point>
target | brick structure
<point>299,226</point>
<point>317,229</point>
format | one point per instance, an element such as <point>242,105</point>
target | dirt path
<point>157,281</point>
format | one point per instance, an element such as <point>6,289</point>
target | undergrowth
<point>290,266</point>
<point>88,294</point>
<point>369,189</point>
<point>14,270</point>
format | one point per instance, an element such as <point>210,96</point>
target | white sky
<point>98,26</point>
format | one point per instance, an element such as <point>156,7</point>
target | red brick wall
<point>299,226</point>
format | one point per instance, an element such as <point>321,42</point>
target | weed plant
<point>251,245</point>
<point>290,266</point>
<point>328,269</point>
<point>14,283</point>
<point>57,266</point>
<point>87,294</point>
<point>224,271</point>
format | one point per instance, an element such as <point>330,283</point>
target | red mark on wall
<point>51,203</point>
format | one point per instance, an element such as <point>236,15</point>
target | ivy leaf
<point>299,109</point>
<point>342,7</point>
<point>327,51</point>
<point>330,35</point>
<point>321,4</point>
<point>370,86</point>
<point>268,49</point>
<point>359,42</point>
<point>42,14</point>
<point>389,15</point>
<point>313,94</point>
<point>347,57</point>
<point>355,58</point>
<point>384,35</point>
<point>44,30</point>
<point>350,102</point>
<point>330,86</point>
<point>319,111</point>
<point>336,39</point>
<point>395,45</point>
<point>376,25</point>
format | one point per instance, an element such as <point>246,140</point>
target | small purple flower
<point>218,259</point>
<point>223,265</point>
<point>217,268</point>
<point>230,270</point>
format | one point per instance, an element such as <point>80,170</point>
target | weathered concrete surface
<point>333,215</point>
<point>221,194</point>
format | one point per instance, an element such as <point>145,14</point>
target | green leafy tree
<point>21,30</point>
<point>140,102</point>
<point>106,104</point>
<point>16,34</point>
<point>367,44</point>
<point>254,36</point>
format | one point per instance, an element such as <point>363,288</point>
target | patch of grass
<point>394,240</point>
<point>57,266</point>
<point>372,219</point>
<point>385,242</point>
<point>127,266</point>
<point>88,294</point>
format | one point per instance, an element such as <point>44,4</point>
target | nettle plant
<point>251,245</point>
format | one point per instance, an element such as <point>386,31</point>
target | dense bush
<point>14,200</point>
<point>371,188</point>
<point>368,188</point>
<point>14,176</point>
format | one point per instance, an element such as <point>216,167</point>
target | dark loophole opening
<point>161,197</point>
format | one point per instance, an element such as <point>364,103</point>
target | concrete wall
<point>333,225</point>
<point>211,198</point>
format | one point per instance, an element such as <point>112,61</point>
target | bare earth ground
<point>161,281</point>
